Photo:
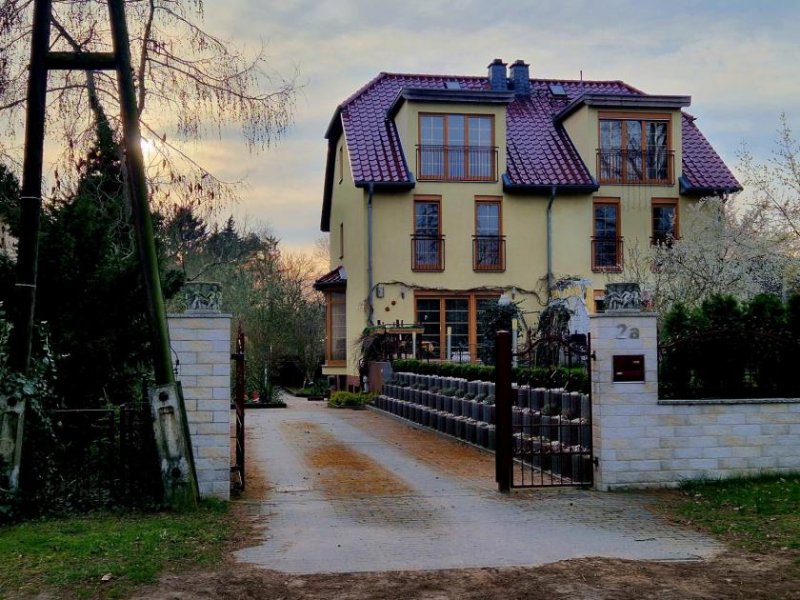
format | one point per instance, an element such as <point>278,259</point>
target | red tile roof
<point>539,151</point>
<point>334,279</point>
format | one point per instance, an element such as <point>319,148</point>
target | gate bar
<point>503,452</point>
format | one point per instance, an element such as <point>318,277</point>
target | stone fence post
<point>201,339</point>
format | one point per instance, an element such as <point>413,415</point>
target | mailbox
<point>628,367</point>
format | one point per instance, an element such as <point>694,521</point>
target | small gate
<point>547,430</point>
<point>238,468</point>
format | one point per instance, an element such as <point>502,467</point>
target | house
<point>443,193</point>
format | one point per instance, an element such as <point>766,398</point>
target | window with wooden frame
<point>427,242</point>
<point>336,328</point>
<point>606,238</point>
<point>635,148</point>
<point>665,221</point>
<point>488,243</point>
<point>456,147</point>
<point>450,323</point>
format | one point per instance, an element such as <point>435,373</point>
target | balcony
<point>626,167</point>
<point>489,253</point>
<point>427,253</point>
<point>456,163</point>
<point>607,254</point>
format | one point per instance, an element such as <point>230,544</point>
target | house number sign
<point>627,333</point>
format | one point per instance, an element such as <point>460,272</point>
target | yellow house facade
<point>444,193</point>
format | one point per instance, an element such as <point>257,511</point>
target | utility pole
<point>166,397</point>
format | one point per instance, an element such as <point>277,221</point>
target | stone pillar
<point>201,340</point>
<point>622,395</point>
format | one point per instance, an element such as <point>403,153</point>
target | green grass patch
<point>354,400</point>
<point>759,514</point>
<point>70,556</point>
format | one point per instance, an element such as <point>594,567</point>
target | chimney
<point>497,76</point>
<point>520,78</point>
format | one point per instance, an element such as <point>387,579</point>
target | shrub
<point>354,400</point>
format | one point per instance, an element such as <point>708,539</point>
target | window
<point>450,322</point>
<point>336,323</point>
<point>665,221</point>
<point>606,241</point>
<point>341,240</point>
<point>456,148</point>
<point>341,163</point>
<point>634,149</point>
<point>488,247</point>
<point>427,243</point>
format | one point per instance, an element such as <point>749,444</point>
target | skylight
<point>452,85</point>
<point>558,90</point>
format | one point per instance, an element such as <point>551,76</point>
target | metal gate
<point>238,468</point>
<point>546,437</point>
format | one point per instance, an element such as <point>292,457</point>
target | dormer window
<point>635,150</point>
<point>456,147</point>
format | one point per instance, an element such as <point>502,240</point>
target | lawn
<point>71,557</point>
<point>758,514</point>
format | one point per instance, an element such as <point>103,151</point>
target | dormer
<point>452,133</point>
<point>627,139</point>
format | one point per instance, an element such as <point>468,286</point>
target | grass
<point>759,514</point>
<point>70,556</point>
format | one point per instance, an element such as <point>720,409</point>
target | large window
<point>635,150</point>
<point>606,241</point>
<point>450,323</point>
<point>488,249</point>
<point>427,243</point>
<point>336,334</point>
<point>456,147</point>
<point>665,221</point>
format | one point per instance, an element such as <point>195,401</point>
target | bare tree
<point>190,85</point>
<point>773,187</point>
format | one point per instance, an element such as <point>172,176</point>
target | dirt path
<point>341,471</point>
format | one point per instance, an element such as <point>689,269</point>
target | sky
<point>737,59</point>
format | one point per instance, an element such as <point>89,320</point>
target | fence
<point>83,459</point>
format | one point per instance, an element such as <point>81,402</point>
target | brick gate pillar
<point>624,389</point>
<point>201,340</point>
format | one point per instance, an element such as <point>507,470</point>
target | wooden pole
<point>503,452</point>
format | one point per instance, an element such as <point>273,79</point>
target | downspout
<point>371,308</point>
<point>550,243</point>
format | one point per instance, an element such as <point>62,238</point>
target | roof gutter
<point>547,189</point>
<point>369,256</point>
<point>550,243</point>
<point>688,188</point>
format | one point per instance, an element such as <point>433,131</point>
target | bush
<point>350,399</point>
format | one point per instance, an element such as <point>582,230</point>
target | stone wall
<point>202,343</point>
<point>640,441</point>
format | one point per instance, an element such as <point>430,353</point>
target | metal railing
<point>457,163</point>
<point>607,254</point>
<point>427,252</point>
<point>622,166</point>
<point>489,252</point>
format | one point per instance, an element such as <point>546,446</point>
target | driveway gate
<point>545,434</point>
<point>238,357</point>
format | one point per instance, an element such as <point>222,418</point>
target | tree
<point>719,252</point>
<point>774,187</point>
<point>90,286</point>
<point>190,84</point>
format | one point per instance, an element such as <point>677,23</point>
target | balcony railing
<point>655,166</point>
<point>427,252</point>
<point>457,163</point>
<point>489,253</point>
<point>607,254</point>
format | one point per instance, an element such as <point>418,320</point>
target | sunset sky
<point>737,59</point>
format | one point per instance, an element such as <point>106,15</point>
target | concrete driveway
<point>360,491</point>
